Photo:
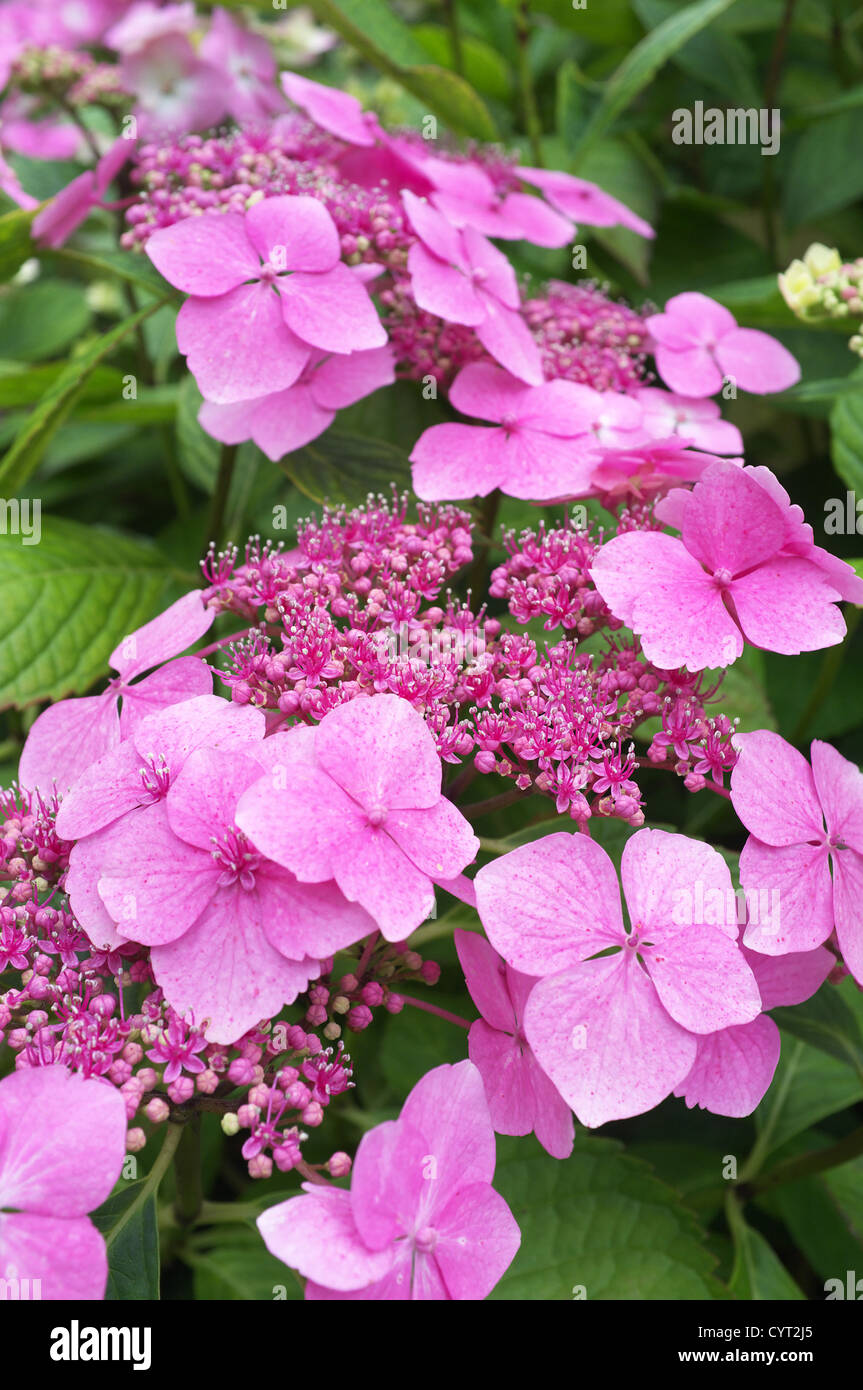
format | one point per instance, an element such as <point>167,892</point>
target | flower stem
<point>433,1009</point>
<point>808,1165</point>
<point>227,459</point>
<point>187,1172</point>
<point>532,123</point>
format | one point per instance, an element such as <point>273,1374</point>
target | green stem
<point>831,665</point>
<point>761,1147</point>
<point>227,459</point>
<point>795,1169</point>
<point>152,1181</point>
<point>451,7</point>
<point>532,123</point>
<point>187,1172</point>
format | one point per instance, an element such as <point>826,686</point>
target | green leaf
<point>758,1272</point>
<point>601,1222</point>
<point>641,65</point>
<point>484,67</point>
<point>846,438</point>
<point>415,1041</point>
<point>155,405</point>
<point>21,384</point>
<point>818,1226</point>
<point>376,32</point>
<point>16,244</point>
<point>346,468</point>
<point>719,60</point>
<point>40,320</point>
<point>821,177</point>
<point>29,445</point>
<point>66,603</point>
<point>132,266</point>
<point>128,1222</point>
<point>233,1263</point>
<point>808,1086</point>
<point>825,1021</point>
<point>846,1185</point>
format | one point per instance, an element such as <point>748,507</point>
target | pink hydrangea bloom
<point>249,65</point>
<point>266,289</point>
<point>62,1145</point>
<point>333,110</point>
<point>698,344</point>
<point>734,1067</point>
<point>145,21</point>
<point>584,202</point>
<point>617,1032</point>
<point>543,445</point>
<point>693,600</point>
<point>233,936</point>
<point>358,799</point>
<point>803,821</point>
<point>520,1096</point>
<point>68,209</point>
<point>70,735</point>
<point>645,469</point>
<point>174,89</point>
<point>467,197</point>
<point>698,419</point>
<point>287,420</point>
<point>460,276</point>
<point>421,1220</point>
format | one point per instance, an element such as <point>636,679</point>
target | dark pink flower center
<point>237,856</point>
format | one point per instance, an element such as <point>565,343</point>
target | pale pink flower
<point>249,67</point>
<point>266,289</point>
<point>520,1096</point>
<point>358,799</point>
<point>71,734</point>
<point>803,822</point>
<point>460,276</point>
<point>62,1145</point>
<point>615,1019</point>
<point>698,344</point>
<point>175,90</point>
<point>543,445</point>
<point>145,21</point>
<point>287,420</point>
<point>695,418</point>
<point>421,1220</point>
<point>692,601</point>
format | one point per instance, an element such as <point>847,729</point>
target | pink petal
<point>495,276</point>
<point>504,333</point>
<point>730,522</point>
<point>692,371</point>
<point>107,790</point>
<point>389,1182</point>
<point>485,977</point>
<point>548,905</point>
<point>733,1069</point>
<point>66,738</point>
<point>308,919</point>
<point>441,289</point>
<point>554,1127</point>
<point>478,1238</point>
<point>692,318</point>
<point>82,887</point>
<point>583,201</point>
<point>63,1142</point>
<point>381,752</point>
<point>839,785</point>
<point>335,111</point>
<point>66,1257</point>
<point>331,310</point>
<point>773,790</point>
<point>847,896</point>
<point>443,241</point>
<point>788,606</point>
<point>437,839</point>
<point>582,1022</point>
<point>372,870</point>
<point>756,361</point>
<point>702,978</point>
<point>448,1108</point>
<point>238,346</point>
<point>790,979</point>
<point>535,221</point>
<point>296,230</point>
<point>224,969</point>
<point>278,424</point>
<point>187,678</point>
<point>455,461</point>
<point>671,881</point>
<point>317,1235</point>
<point>343,379</point>
<point>202,798</point>
<point>798,877</point>
<point>207,255</point>
<point>166,635</point>
<point>503,1066</point>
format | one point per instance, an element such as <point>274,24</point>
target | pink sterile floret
<point>421,1220</point>
<point>62,1144</point>
<point>358,799</point>
<point>698,344</point>
<point>615,1018</point>
<point>520,1096</point>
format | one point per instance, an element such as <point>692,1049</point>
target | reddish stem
<point>433,1009</point>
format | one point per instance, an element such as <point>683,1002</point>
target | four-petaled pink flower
<point>266,288</point>
<point>177,1049</point>
<point>458,275</point>
<point>233,936</point>
<point>803,821</point>
<point>358,799</point>
<point>62,1145</point>
<point>70,735</point>
<point>616,1017</point>
<point>694,418</point>
<point>421,1220</point>
<point>289,419</point>
<point>736,572</point>
<point>698,344</point>
<point>543,445</point>
<point>520,1096</point>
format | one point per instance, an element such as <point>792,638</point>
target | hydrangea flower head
<point>698,344</point>
<point>421,1220</point>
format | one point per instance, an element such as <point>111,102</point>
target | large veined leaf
<point>346,468</point>
<point>758,1272</point>
<point>643,62</point>
<point>128,1222</point>
<point>600,1222</point>
<point>27,449</point>
<point>826,1022</point>
<point>66,603</point>
<point>808,1085</point>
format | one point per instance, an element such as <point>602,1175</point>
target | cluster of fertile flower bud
<point>70,1003</point>
<point>73,78</point>
<point>822,286</point>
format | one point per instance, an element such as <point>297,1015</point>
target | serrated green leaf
<point>66,603</point>
<point>601,1221</point>
<point>346,468</point>
<point>128,1222</point>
